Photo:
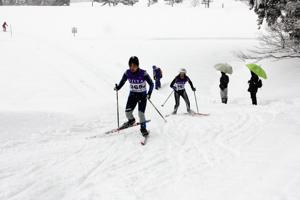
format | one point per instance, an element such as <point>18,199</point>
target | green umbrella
<point>257,70</point>
<point>224,67</point>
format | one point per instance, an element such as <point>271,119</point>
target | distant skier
<point>178,84</point>
<point>224,80</point>
<point>157,75</point>
<point>4,26</point>
<point>138,92</point>
<point>254,84</point>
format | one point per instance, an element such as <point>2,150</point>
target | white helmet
<point>182,70</point>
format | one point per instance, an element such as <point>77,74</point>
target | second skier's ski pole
<point>118,118</point>
<point>157,110</point>
<point>167,99</point>
<point>196,102</point>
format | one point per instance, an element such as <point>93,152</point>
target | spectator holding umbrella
<point>255,82</point>
<point>224,80</point>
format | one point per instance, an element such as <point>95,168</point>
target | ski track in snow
<point>74,164</point>
<point>193,147</point>
<point>176,143</point>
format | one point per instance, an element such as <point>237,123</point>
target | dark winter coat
<point>224,80</point>
<point>4,25</point>
<point>254,83</point>
<point>157,74</point>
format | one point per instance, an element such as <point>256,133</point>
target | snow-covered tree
<point>206,3</point>
<point>116,2</point>
<point>151,2</point>
<point>283,33</point>
<point>172,2</point>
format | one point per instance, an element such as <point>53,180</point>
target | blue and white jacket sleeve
<point>122,82</point>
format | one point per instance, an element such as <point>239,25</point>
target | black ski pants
<point>184,95</point>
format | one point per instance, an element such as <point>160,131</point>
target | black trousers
<point>135,98</point>
<point>253,97</point>
<point>184,95</point>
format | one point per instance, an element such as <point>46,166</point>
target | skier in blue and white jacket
<point>178,85</point>
<point>137,79</point>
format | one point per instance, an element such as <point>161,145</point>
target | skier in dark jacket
<point>254,84</point>
<point>138,92</point>
<point>224,80</point>
<point>4,25</point>
<point>178,84</point>
<point>157,75</point>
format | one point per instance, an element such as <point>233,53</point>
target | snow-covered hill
<point>57,90</point>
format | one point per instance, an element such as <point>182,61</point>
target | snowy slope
<point>57,90</point>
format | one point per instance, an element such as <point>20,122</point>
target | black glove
<point>116,88</point>
<point>194,89</point>
<point>148,95</point>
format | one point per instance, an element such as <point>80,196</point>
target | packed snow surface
<point>57,90</point>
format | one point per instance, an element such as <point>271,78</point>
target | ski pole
<point>118,118</point>
<point>167,99</point>
<point>196,102</point>
<point>157,110</point>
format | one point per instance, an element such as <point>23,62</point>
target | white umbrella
<point>224,67</point>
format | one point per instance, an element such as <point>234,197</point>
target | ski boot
<point>129,123</point>
<point>191,112</point>
<point>174,112</point>
<point>144,132</point>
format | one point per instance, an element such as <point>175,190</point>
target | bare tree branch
<point>275,44</point>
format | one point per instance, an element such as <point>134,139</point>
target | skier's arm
<point>122,82</point>
<point>191,84</point>
<point>150,82</point>
<point>172,83</point>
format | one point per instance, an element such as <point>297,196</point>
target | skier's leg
<point>131,103</point>
<point>142,108</point>
<point>177,102</point>
<point>187,101</point>
<point>158,83</point>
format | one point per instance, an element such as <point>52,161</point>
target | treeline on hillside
<point>35,2</point>
<point>103,2</point>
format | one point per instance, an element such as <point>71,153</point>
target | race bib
<point>138,87</point>
<point>179,86</point>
